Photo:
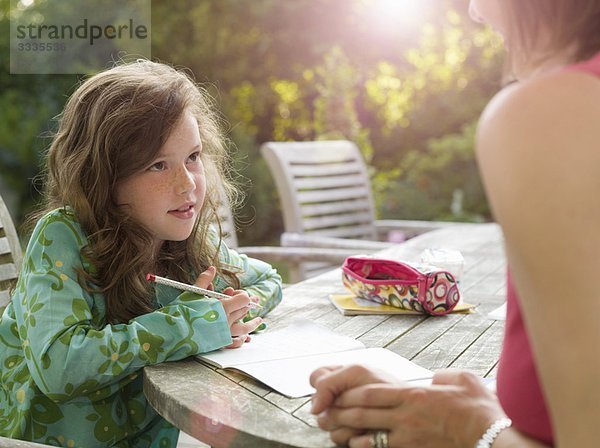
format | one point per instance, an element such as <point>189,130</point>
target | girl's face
<point>488,11</point>
<point>166,197</point>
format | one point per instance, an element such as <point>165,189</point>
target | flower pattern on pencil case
<point>438,295</point>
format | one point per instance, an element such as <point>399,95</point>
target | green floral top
<point>68,378</point>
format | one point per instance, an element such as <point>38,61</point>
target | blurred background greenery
<point>405,79</point>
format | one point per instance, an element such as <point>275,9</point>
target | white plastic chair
<point>11,255</point>
<point>292,255</point>
<point>326,200</point>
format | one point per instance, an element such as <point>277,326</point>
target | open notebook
<point>284,359</point>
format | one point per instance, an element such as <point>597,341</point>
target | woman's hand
<point>236,309</point>
<point>453,412</point>
<point>332,381</point>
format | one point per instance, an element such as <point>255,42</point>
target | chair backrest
<point>323,187</point>
<point>324,190</point>
<point>11,255</point>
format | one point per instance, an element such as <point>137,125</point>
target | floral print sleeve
<point>68,379</point>
<point>258,278</point>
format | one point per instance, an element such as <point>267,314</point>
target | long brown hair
<point>574,28</point>
<point>113,126</point>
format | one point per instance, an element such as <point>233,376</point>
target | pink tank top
<point>518,385</point>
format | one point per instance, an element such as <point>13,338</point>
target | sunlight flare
<point>398,12</point>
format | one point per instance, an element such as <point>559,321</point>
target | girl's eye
<point>158,166</point>
<point>195,157</point>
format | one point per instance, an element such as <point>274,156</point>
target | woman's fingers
<point>314,377</point>
<point>329,385</point>
<point>357,418</point>
<point>455,377</point>
<point>361,441</point>
<point>323,398</point>
<point>341,436</point>
<point>377,395</point>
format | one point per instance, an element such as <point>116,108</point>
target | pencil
<point>185,287</point>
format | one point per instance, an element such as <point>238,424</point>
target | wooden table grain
<point>227,409</point>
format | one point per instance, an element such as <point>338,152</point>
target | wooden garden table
<point>227,409</point>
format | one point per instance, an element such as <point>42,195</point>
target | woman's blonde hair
<point>113,126</point>
<point>574,28</point>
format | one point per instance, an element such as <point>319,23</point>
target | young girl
<point>134,174</point>
<point>539,151</point>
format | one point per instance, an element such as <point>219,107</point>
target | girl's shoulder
<point>62,214</point>
<point>59,222</point>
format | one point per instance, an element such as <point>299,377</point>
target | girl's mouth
<point>185,212</point>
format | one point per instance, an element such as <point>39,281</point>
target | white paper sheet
<point>499,313</point>
<point>284,359</point>
<point>301,338</point>
<point>291,376</point>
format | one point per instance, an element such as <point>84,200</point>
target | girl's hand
<point>453,412</point>
<point>236,308</point>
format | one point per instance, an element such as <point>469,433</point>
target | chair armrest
<point>297,254</point>
<point>331,243</point>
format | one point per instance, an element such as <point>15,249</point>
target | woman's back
<point>540,156</point>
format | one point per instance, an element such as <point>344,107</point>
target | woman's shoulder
<point>550,109</point>
<point>537,143</point>
<point>560,89</point>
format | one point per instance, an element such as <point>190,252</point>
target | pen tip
<point>150,277</point>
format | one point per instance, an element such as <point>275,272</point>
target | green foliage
<point>435,183</point>
<point>431,107</point>
<point>27,105</point>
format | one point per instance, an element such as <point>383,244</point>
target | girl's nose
<point>184,181</point>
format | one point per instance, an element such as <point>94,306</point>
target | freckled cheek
<point>161,187</point>
<point>166,185</point>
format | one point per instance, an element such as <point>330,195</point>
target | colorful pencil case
<point>427,289</point>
